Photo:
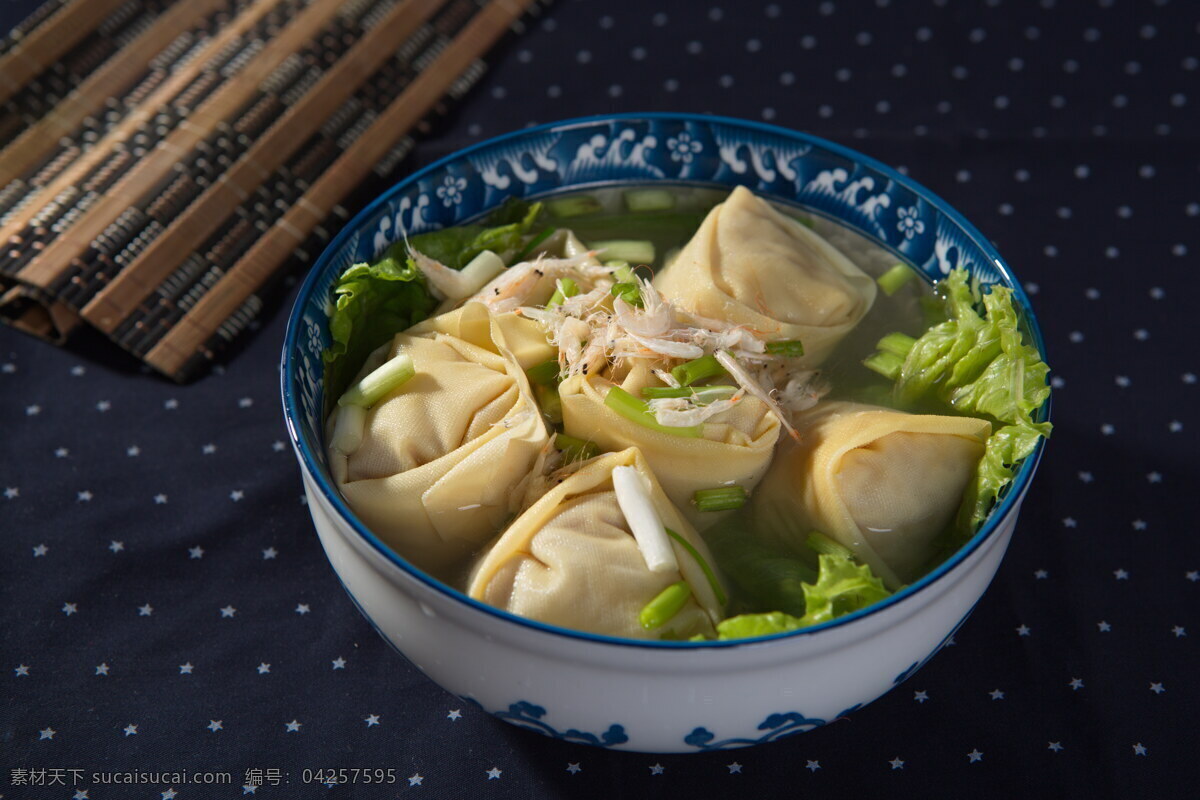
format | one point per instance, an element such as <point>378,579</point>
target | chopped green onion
<point>573,206</point>
<point>635,410</point>
<point>371,389</point>
<point>576,449</point>
<point>827,546</point>
<point>697,369</point>
<point>621,270</point>
<point>791,348</point>
<point>704,567</point>
<point>898,344</point>
<point>649,200</point>
<point>348,430</point>
<point>632,250</point>
<point>532,245</point>
<point>724,498</point>
<point>544,374</point>
<point>895,278</point>
<point>886,364</point>
<point>629,292</point>
<point>550,403</point>
<point>702,395</point>
<point>666,604</point>
<point>566,288</point>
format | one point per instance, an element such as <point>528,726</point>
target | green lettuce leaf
<point>842,587</point>
<point>502,232</point>
<point>1005,448</point>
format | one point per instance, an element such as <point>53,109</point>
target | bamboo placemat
<point>172,180</point>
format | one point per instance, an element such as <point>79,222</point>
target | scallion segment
<point>895,279</point>
<point>372,388</point>
<point>635,410</point>
<point>566,288</point>
<point>700,395</point>
<point>642,200</point>
<point>666,604</point>
<point>826,546</point>
<point>886,364</point>
<point>576,449</point>
<point>550,403</point>
<point>577,206</point>
<point>898,344</point>
<point>349,429</point>
<point>789,348</point>
<point>532,245</point>
<point>724,498</point>
<point>632,250</point>
<point>544,374</point>
<point>698,369</point>
<point>704,567</point>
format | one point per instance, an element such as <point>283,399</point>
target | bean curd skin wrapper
<point>736,447</point>
<point>883,483</point>
<point>571,560</point>
<point>751,265</point>
<point>443,456</point>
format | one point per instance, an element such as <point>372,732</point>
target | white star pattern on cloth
<point>208,449</point>
<point>103,406</point>
<point>116,546</point>
<point>46,733</point>
<point>69,608</point>
<point>1108,429</point>
<point>1154,477</point>
<point>269,553</point>
<point>278,446</point>
<point>1086,477</point>
<point>1188,377</point>
<point>656,769</point>
<point>236,495</point>
<point>77,370</point>
<point>169,794</point>
<point>80,795</point>
<point>455,714</point>
<point>812,766</point>
<point>61,452</point>
<point>1041,574</point>
<point>248,789</point>
<point>228,612</point>
<point>1157,688</point>
<point>9,368</point>
<point>897,763</point>
<point>1122,381</point>
<point>1023,630</point>
<point>215,725</point>
<point>146,610</point>
<point>975,755</point>
<point>171,404</point>
<point>1076,684</point>
<point>996,694</point>
<point>302,608</point>
<point>1139,749</point>
<point>574,768</point>
<point>1121,574</point>
<point>340,663</point>
<point>920,696</point>
<point>1103,626</point>
<point>1193,575</point>
<point>1179,631</point>
<point>22,671</point>
<point>1139,524</point>
<point>33,411</point>
<point>160,499</point>
<point>12,492</point>
<point>372,720</point>
<point>1055,746</point>
<point>735,768</point>
<point>102,669</point>
<point>293,726</point>
<point>494,774</point>
<point>196,552</point>
<point>245,402</point>
<point>264,668</point>
<point>40,550</point>
<point>415,779</point>
<point>186,669</point>
<point>1174,426</point>
<point>133,451</point>
<point>130,729</point>
<point>1069,522</point>
<point>84,497</point>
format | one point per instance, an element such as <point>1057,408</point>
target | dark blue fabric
<point>166,605</point>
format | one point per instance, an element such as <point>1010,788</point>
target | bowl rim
<point>310,463</point>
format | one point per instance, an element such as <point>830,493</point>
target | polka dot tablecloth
<point>166,607</point>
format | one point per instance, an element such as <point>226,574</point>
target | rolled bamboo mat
<point>168,188</point>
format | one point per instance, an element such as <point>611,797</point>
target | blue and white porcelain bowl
<point>624,694</point>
